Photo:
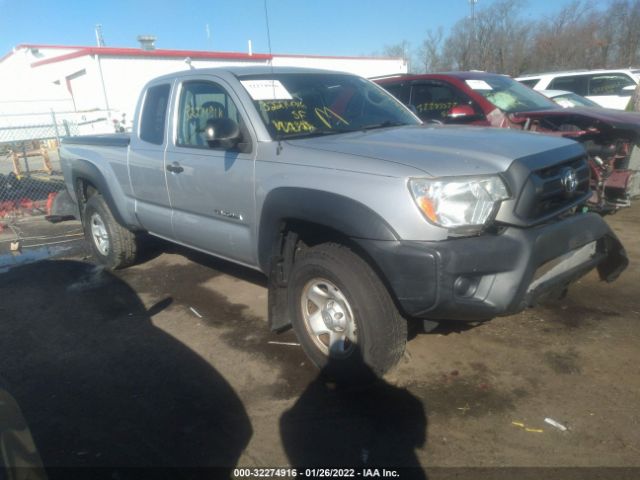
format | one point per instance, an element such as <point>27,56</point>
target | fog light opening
<point>465,286</point>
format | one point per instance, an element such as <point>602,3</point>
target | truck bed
<point>104,140</point>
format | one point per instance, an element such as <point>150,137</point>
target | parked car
<point>610,137</point>
<point>359,217</point>
<point>608,88</point>
<point>569,99</point>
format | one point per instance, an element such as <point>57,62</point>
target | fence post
<point>55,125</point>
<point>26,158</point>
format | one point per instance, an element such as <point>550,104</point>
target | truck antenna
<point>273,84</point>
<point>266,19</point>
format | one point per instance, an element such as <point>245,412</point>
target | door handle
<point>175,168</point>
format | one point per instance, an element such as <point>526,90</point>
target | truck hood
<point>448,150</point>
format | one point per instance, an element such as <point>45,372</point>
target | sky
<point>321,27</point>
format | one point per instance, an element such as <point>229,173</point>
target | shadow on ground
<point>99,385</point>
<point>371,425</point>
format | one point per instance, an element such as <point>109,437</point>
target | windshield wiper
<point>385,124</point>
<point>317,133</point>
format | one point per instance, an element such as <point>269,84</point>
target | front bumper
<point>481,277</point>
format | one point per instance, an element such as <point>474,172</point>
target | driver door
<point>211,187</point>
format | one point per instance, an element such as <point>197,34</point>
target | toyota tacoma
<point>362,218</point>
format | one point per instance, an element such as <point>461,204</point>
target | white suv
<point>609,88</point>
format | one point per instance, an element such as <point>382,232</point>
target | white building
<point>82,84</point>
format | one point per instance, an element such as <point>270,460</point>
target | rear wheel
<point>112,245</point>
<point>342,313</point>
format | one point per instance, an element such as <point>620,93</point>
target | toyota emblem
<point>569,180</point>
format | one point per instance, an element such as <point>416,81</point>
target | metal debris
<point>553,423</point>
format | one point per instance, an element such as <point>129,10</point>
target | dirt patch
<point>473,394</point>
<point>187,284</point>
<point>573,315</point>
<point>566,363</point>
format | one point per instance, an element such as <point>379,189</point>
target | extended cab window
<point>154,112</point>
<point>433,100</point>
<point>202,102</point>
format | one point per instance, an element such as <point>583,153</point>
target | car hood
<point>615,118</point>
<point>448,150</point>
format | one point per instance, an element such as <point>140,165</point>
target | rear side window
<point>154,113</point>
<point>575,83</point>
<point>609,84</point>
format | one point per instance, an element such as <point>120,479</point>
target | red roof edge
<point>78,53</point>
<point>39,45</point>
<point>33,45</point>
<point>5,56</point>
<point>136,52</point>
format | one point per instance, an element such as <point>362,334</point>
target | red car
<point>610,137</point>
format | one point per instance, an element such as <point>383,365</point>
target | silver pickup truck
<point>361,217</point>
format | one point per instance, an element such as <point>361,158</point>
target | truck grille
<point>546,194</point>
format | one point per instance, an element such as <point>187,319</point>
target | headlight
<point>464,205</point>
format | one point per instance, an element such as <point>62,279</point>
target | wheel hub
<point>99,234</point>
<point>333,314</point>
<point>328,317</point>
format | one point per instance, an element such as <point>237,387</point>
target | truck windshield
<point>309,104</point>
<point>510,96</point>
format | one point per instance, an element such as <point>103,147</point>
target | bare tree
<point>626,14</point>
<point>430,52</point>
<point>567,39</point>
<point>401,49</point>
<point>502,37</point>
<point>496,41</point>
<point>582,34</point>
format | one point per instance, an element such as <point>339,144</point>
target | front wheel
<point>342,313</point>
<point>112,245</point>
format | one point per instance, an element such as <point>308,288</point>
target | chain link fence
<point>30,173</point>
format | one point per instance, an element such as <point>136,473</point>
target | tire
<point>112,245</point>
<point>343,315</point>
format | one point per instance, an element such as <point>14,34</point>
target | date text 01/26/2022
<point>314,473</point>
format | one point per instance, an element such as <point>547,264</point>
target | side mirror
<point>223,132</point>
<point>461,113</point>
<point>628,90</point>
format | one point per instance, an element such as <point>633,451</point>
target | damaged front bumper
<point>482,277</point>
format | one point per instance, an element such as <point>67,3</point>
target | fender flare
<point>343,214</point>
<point>82,169</point>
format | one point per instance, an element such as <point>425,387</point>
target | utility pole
<point>99,39</point>
<point>473,39</point>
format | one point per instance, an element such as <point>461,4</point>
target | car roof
<point>246,71</point>
<point>468,75</point>
<point>567,73</point>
